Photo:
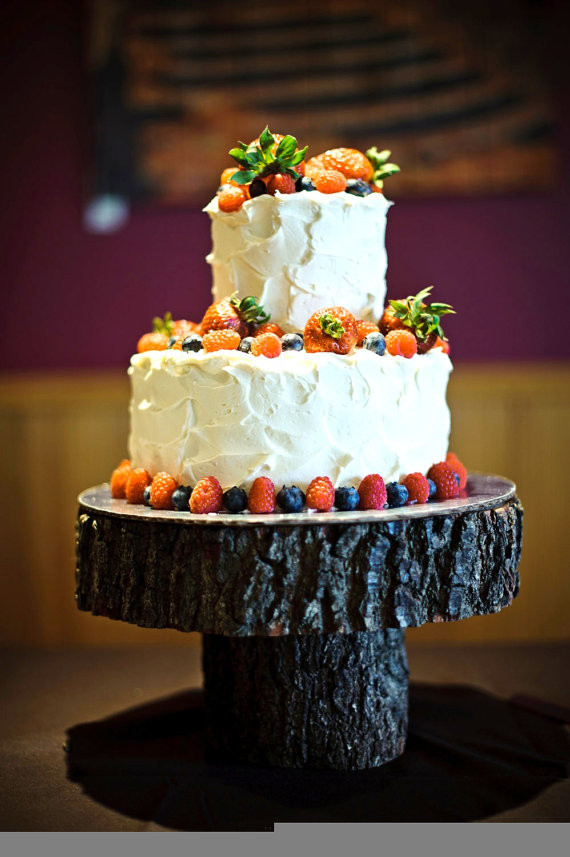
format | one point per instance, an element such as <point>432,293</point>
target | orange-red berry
<point>320,494</point>
<point>266,344</point>
<point>363,328</point>
<point>352,163</point>
<point>372,492</point>
<point>138,480</point>
<point>445,481</point>
<point>329,181</point>
<point>162,488</point>
<point>152,342</point>
<point>261,499</point>
<point>269,327</point>
<point>417,487</point>
<point>280,183</point>
<point>401,343</point>
<point>232,197</point>
<point>221,340</point>
<point>207,496</point>
<point>458,468</point>
<point>119,478</point>
<point>331,329</point>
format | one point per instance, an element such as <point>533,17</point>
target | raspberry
<point>320,494</point>
<point>458,468</point>
<point>372,492</point>
<point>119,478</point>
<point>162,488</point>
<point>363,328</point>
<point>418,488</point>
<point>401,343</point>
<point>330,329</point>
<point>207,496</point>
<point>350,162</point>
<point>445,481</point>
<point>280,182</point>
<point>232,197</point>
<point>269,327</point>
<point>138,479</point>
<point>329,181</point>
<point>221,340</point>
<point>152,342</point>
<point>266,344</point>
<point>261,498</point>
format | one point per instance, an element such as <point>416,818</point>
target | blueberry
<point>290,499</point>
<point>358,187</point>
<point>457,478</point>
<point>304,183</point>
<point>257,188</point>
<point>181,498</point>
<point>245,344</point>
<point>375,342</point>
<point>432,489</point>
<point>397,495</point>
<point>192,343</point>
<point>146,496</point>
<point>292,342</point>
<point>346,499</point>
<point>235,499</point>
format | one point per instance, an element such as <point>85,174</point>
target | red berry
<point>372,492</point>
<point>206,496</point>
<point>119,478</point>
<point>458,468</point>
<point>152,342</point>
<point>352,163</point>
<point>401,343</point>
<point>232,197</point>
<point>331,329</point>
<point>445,481</point>
<point>363,328</point>
<point>261,498</point>
<point>280,183</point>
<point>269,327</point>
<point>329,181</point>
<point>138,480</point>
<point>320,494</point>
<point>418,488</point>
<point>221,340</point>
<point>266,344</point>
<point>162,488</point>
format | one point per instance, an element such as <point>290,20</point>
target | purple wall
<point>74,300</point>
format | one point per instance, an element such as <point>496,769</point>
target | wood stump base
<point>336,701</point>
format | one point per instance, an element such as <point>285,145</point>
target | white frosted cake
<point>334,385</point>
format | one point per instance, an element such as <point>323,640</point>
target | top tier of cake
<point>299,252</point>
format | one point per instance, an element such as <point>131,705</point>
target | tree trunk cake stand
<point>302,615</point>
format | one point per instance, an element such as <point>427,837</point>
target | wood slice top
<point>273,575</point>
<point>483,492</point>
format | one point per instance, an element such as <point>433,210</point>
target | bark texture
<point>274,580</point>
<point>337,701</point>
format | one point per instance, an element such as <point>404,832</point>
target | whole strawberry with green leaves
<point>267,158</point>
<point>235,313</point>
<point>421,318</point>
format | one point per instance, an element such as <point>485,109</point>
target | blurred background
<point>116,119</point>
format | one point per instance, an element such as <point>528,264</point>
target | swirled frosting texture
<point>292,418</point>
<point>303,251</point>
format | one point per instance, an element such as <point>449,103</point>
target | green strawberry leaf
<point>243,176</point>
<point>331,325</point>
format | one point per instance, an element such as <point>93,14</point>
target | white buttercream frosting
<point>294,417</point>
<point>300,252</point>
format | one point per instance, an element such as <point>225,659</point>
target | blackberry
<point>346,499</point>
<point>181,498</point>
<point>192,343</point>
<point>257,188</point>
<point>304,183</point>
<point>375,342</point>
<point>235,499</point>
<point>290,499</point>
<point>358,187</point>
<point>292,342</point>
<point>245,344</point>
<point>397,495</point>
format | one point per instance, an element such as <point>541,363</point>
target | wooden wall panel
<point>59,435</point>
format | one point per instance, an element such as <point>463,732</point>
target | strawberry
<point>162,488</point>
<point>234,313</point>
<point>261,498</point>
<point>266,344</point>
<point>422,319</point>
<point>401,343</point>
<point>231,197</point>
<point>119,479</point>
<point>152,342</point>
<point>445,481</point>
<point>138,480</point>
<point>363,328</point>
<point>269,327</point>
<point>329,181</point>
<point>417,487</point>
<point>458,468</point>
<point>320,494</point>
<point>221,340</point>
<point>389,321</point>
<point>372,492</point>
<point>331,329</point>
<point>350,162</point>
<point>314,166</point>
<point>207,496</point>
<point>280,183</point>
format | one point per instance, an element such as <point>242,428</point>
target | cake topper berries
<point>235,313</point>
<point>421,318</point>
<point>331,329</point>
<point>267,157</point>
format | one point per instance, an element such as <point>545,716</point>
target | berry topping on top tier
<point>331,329</point>
<point>421,318</point>
<point>267,157</point>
